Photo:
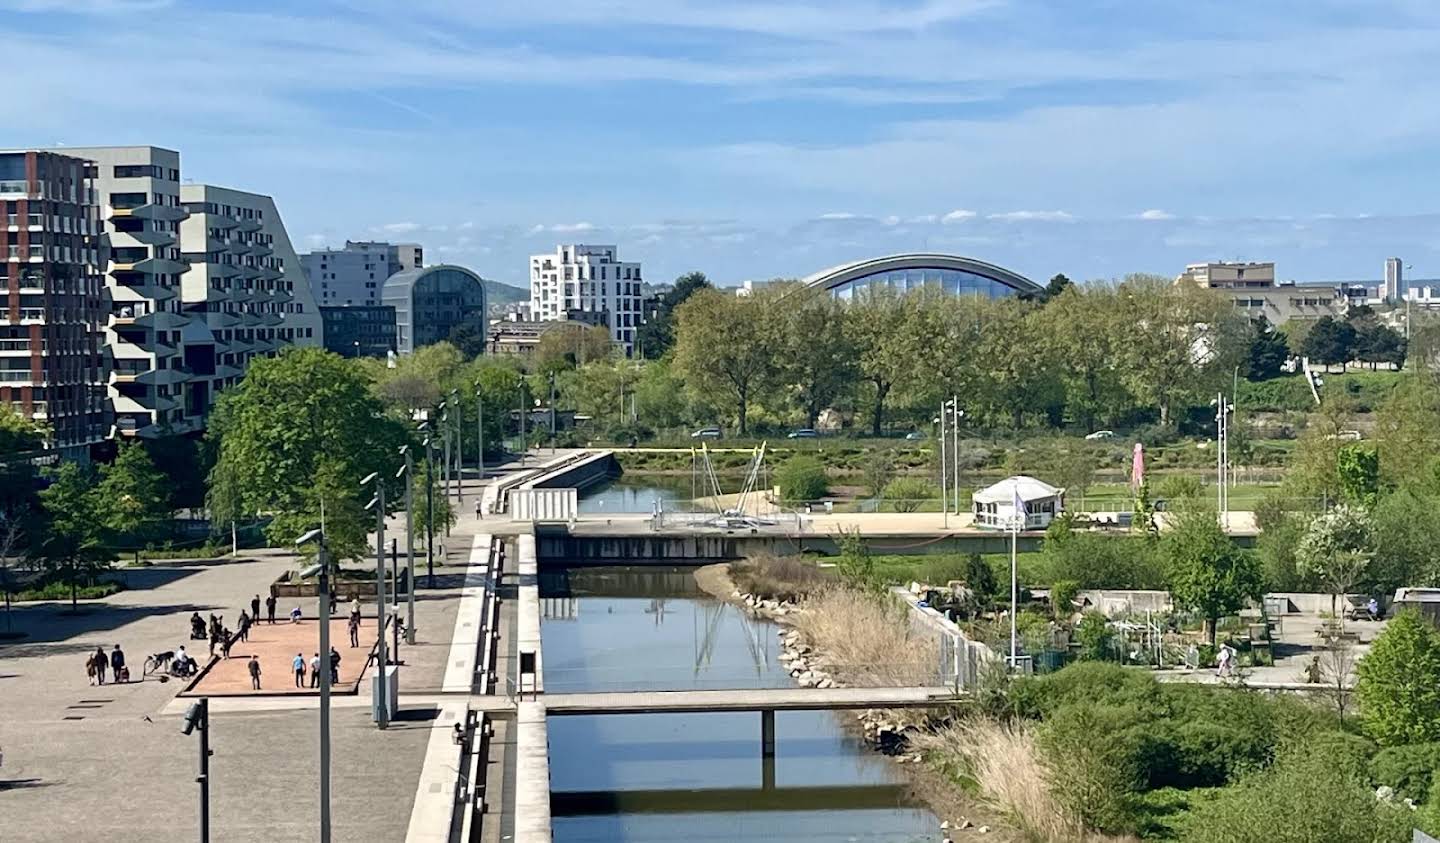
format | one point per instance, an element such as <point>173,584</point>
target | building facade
<point>1221,275</point>
<point>359,330</point>
<point>1392,288</point>
<point>243,289</point>
<point>139,191</point>
<point>53,365</point>
<point>588,279</point>
<point>950,274</point>
<point>431,302</point>
<point>354,276</point>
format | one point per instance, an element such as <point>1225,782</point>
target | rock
<point>826,682</point>
<point>964,823</point>
<point>984,829</point>
<point>946,824</point>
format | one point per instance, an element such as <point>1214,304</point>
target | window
<point>137,171</point>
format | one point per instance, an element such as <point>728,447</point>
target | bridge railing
<point>930,670</point>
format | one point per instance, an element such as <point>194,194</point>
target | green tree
<point>1406,542</point>
<point>1330,341</point>
<point>19,433</point>
<point>855,563</point>
<point>980,577</point>
<point>1398,682</point>
<point>469,337</point>
<point>888,337</point>
<point>722,348</point>
<point>657,334</point>
<point>291,416</point>
<point>72,549</point>
<point>909,494</point>
<point>659,396</point>
<point>1407,431</point>
<point>1268,352</point>
<point>1208,574</point>
<point>134,496</point>
<point>1376,344</point>
<point>1058,284</point>
<point>878,470</point>
<point>330,499</point>
<point>1358,467</point>
<point>802,478</point>
<point>565,345</point>
<point>1075,470</point>
<point>1336,550</point>
<point>1087,340</point>
<point>815,353</point>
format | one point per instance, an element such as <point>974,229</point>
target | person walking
<point>298,665</point>
<point>254,666</point>
<point>243,630</point>
<point>215,633</point>
<point>117,663</point>
<point>315,671</point>
<point>102,661</point>
<point>90,668</point>
<point>255,607</point>
<point>355,607</point>
<point>334,666</point>
<point>354,626</point>
<point>270,609</point>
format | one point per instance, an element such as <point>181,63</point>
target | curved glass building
<point>432,301</point>
<point>952,274</point>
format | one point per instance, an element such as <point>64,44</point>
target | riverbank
<point>882,731</point>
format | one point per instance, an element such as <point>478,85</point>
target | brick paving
<point>276,647</point>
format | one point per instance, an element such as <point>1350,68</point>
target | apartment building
<point>1222,275</point>
<point>588,279</point>
<point>139,191</point>
<point>52,358</point>
<point>1392,287</point>
<point>354,276</point>
<point>243,289</point>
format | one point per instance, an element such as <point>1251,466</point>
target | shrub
<point>1398,683</point>
<point>1095,638</point>
<point>1062,597</point>
<point>778,577</point>
<point>1092,777</point>
<point>802,478</point>
<point>1409,769</point>
<point>909,494</point>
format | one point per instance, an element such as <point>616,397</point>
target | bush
<point>1409,769</point>
<point>909,494</point>
<point>778,577</point>
<point>802,478</point>
<point>1092,777</point>
<point>1062,597</point>
<point>1095,638</point>
<point>61,591</point>
<point>1398,683</point>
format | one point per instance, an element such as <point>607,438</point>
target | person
<point>182,659</point>
<point>215,625</point>
<point>215,633</point>
<point>197,627</point>
<point>295,615</point>
<point>354,626</point>
<point>101,662</point>
<point>334,666</point>
<point>355,606</point>
<point>479,509</point>
<point>1224,661</point>
<point>315,671</point>
<point>254,666</point>
<point>333,600</point>
<point>298,665</point>
<point>230,639</point>
<point>90,668</point>
<point>255,607</point>
<point>243,630</point>
<point>117,663</point>
<point>270,609</point>
<point>1373,608</point>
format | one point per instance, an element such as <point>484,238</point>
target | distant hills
<point>497,293</point>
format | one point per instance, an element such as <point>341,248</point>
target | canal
<point>661,777</point>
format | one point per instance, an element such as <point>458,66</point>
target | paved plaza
<point>276,647</point>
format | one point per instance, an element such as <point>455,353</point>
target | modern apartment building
<point>353,276</point>
<point>53,256</point>
<point>1230,276</point>
<point>431,302</point>
<point>243,288</point>
<point>1392,289</point>
<point>139,190</point>
<point>588,278</point>
<point>359,330</point>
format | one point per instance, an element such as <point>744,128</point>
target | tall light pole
<point>409,471</point>
<point>944,480</point>
<point>429,507</point>
<point>322,557</point>
<point>382,717</point>
<point>197,716</point>
<point>552,410</point>
<point>524,410</point>
<point>459,445</point>
<point>955,447</point>
<point>480,435</point>
<point>1223,409</point>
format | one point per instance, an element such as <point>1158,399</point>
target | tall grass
<point>779,577</point>
<point>1008,771</point>
<point>868,639</point>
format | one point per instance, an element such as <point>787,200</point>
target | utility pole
<point>480,436</point>
<point>459,446</point>
<point>382,716</point>
<point>429,516</point>
<point>955,448</point>
<point>944,480</point>
<point>409,545</point>
<point>197,716</point>
<point>322,557</point>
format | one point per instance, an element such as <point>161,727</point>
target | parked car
<point>803,433</point>
<point>1100,434</point>
<point>914,436</point>
<point>706,433</point>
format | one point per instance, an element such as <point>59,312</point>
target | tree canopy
<point>1207,573</point>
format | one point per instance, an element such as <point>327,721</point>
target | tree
<point>19,433</point>
<point>134,497</point>
<point>13,521</point>
<point>1058,284</point>
<point>1330,341</point>
<point>1268,352</point>
<point>657,334</point>
<point>816,355</point>
<point>1208,574</point>
<point>1336,550</point>
<point>1376,343</point>
<point>1075,470</point>
<point>1358,468</point>
<point>1398,682</point>
<point>72,550</point>
<point>469,337</point>
<point>909,494</point>
<point>722,348</point>
<point>570,344</point>
<point>1406,540</point>
<point>884,329</point>
<point>330,499</point>
<point>1407,431</point>
<point>802,478</point>
<point>1083,330</point>
<point>290,417</point>
<point>980,577</point>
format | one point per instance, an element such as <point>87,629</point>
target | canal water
<point>696,777</point>
<point>623,495</point>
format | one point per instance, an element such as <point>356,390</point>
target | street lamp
<point>408,471</point>
<point>459,443</point>
<point>480,437</point>
<point>429,507</point>
<point>944,481</point>
<point>1223,409</point>
<point>382,717</point>
<point>322,558</point>
<point>197,716</point>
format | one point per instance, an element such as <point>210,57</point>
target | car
<point>803,433</point>
<point>706,433</point>
<point>914,436</point>
<point>1100,434</point>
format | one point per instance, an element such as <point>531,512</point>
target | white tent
<point>994,506</point>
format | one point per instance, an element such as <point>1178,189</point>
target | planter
<point>344,589</point>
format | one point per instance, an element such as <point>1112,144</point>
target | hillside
<point>497,293</point>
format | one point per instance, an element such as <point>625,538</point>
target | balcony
<point>12,189</point>
<point>151,266</point>
<point>248,225</point>
<point>166,213</point>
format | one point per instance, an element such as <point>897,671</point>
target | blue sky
<point>774,138</point>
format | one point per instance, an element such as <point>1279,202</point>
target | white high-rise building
<point>577,280</point>
<point>138,190</point>
<point>244,287</point>
<point>1393,289</point>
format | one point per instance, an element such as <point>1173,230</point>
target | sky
<point>771,138</point>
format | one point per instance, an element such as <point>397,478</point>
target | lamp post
<point>322,558</point>
<point>409,472</point>
<point>480,436</point>
<point>1223,409</point>
<point>524,410</point>
<point>955,447</point>
<point>459,445</point>
<point>944,480</point>
<point>552,411</point>
<point>197,716</point>
<point>429,508</point>
<point>382,717</point>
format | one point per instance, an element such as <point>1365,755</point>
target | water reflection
<point>696,776</point>
<point>622,496</point>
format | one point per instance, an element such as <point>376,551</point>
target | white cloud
<point>1156,214</point>
<point>1032,216</point>
<point>923,219</point>
<point>563,228</point>
<point>891,220</point>
<point>400,227</point>
<point>958,215</point>
<point>839,215</point>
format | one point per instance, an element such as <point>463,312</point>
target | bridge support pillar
<point>767,733</point>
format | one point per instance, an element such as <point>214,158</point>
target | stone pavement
<point>276,646</point>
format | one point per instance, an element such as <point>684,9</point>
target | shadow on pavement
<point>48,623</point>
